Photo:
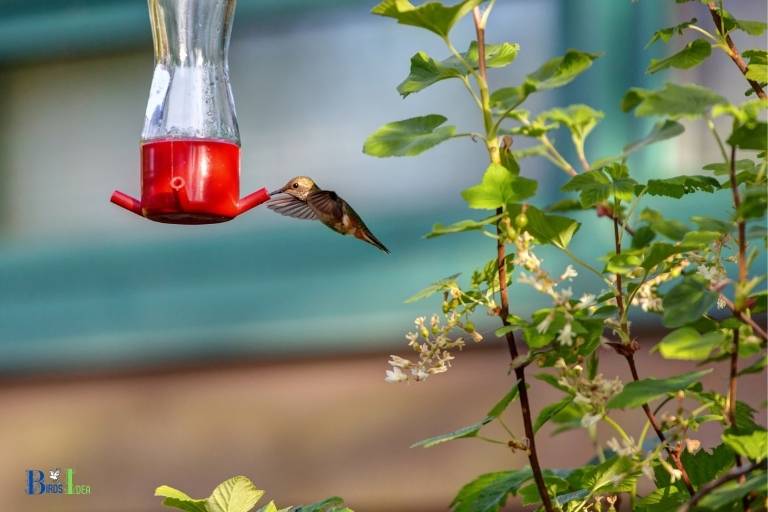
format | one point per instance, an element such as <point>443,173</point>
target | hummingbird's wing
<point>287,205</point>
<point>326,204</point>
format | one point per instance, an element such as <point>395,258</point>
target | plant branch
<point>733,52</point>
<point>493,153</point>
<point>734,474</point>
<point>627,349</point>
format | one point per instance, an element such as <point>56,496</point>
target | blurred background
<point>142,354</point>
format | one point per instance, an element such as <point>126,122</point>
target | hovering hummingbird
<point>303,199</point>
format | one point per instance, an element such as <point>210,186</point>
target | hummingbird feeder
<point>190,144</point>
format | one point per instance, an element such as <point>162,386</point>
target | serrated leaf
<point>750,136</point>
<point>752,445</point>
<point>408,137</point>
<point>498,187</point>
<point>432,16</point>
<point>550,411</point>
<point>687,301</point>
<point>600,185</point>
<point>426,71</point>
<point>556,72</point>
<point>687,344</point>
<point>663,499</point>
<point>489,492</point>
<point>661,131</point>
<point>579,119</point>
<point>692,54</point>
<point>672,229</point>
<point>547,229</point>
<point>673,101</point>
<point>642,391</point>
<point>757,68</point>
<point>461,226</point>
<point>732,492</point>
<point>678,186</point>
<point>238,494</point>
<point>665,34</point>
<point>177,499</point>
<point>435,287</point>
<point>333,504</point>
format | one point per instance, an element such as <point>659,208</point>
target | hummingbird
<point>302,199</point>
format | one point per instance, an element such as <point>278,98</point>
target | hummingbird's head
<point>299,187</point>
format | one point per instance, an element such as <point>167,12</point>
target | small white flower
<point>566,336</point>
<point>587,300</point>
<point>590,419</point>
<point>420,374</point>
<point>395,375</point>
<point>476,337</point>
<point>399,362</point>
<point>721,304</point>
<point>569,273</point>
<point>544,324</point>
<point>675,475</point>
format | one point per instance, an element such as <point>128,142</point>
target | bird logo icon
<point>54,474</point>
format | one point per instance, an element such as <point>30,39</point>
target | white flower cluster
<point>433,346</point>
<point>539,279</point>
<point>593,394</point>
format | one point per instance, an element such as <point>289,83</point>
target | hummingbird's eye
<point>295,185</point>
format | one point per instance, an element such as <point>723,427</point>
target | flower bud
<point>521,220</point>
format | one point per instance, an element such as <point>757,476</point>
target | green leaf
<point>732,492</point>
<point>238,494</point>
<point>461,226</point>
<point>600,185</point>
<point>678,186</point>
<point>750,136</point>
<point>547,229</point>
<point>426,71</point>
<point>687,301</point>
<point>579,119</point>
<point>556,72</point>
<point>438,286</point>
<point>752,445</point>
<point>687,344</point>
<point>176,499</point>
<point>665,34</point>
<point>692,54</point>
<point>663,499</point>
<point>408,137</point>
<point>550,411</point>
<point>670,228</point>
<point>432,16</point>
<point>662,130</point>
<point>644,235</point>
<point>553,483</point>
<point>333,504</point>
<point>270,507</point>
<point>615,475</point>
<point>498,187</point>
<point>757,68</point>
<point>473,429</point>
<point>640,392</point>
<point>751,27</point>
<point>673,101</point>
<point>489,492</point>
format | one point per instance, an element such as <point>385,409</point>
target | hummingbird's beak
<point>278,191</point>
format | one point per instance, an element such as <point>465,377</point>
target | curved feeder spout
<point>252,200</point>
<point>125,201</point>
<point>178,185</point>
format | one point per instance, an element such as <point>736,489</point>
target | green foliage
<point>238,494</point>
<point>673,101</point>
<point>409,137</point>
<point>643,391</point>
<point>681,268</point>
<point>498,187</point>
<point>693,54</point>
<point>474,429</point>
<point>688,344</point>
<point>556,72</point>
<point>425,71</point>
<point>489,492</point>
<point>688,301</point>
<point>432,16</point>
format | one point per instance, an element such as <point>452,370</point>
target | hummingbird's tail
<point>365,235</point>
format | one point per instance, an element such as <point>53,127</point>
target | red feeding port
<point>190,181</point>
